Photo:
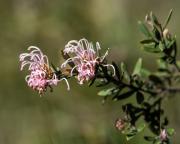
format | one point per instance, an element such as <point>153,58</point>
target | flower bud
<point>166,34</point>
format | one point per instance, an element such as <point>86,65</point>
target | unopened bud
<point>166,34</point>
<point>148,20</point>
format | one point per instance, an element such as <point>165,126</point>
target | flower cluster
<point>85,58</point>
<point>41,74</point>
<point>163,135</point>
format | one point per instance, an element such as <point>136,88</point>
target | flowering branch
<point>149,88</point>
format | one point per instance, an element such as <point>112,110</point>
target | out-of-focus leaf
<point>161,46</point>
<point>170,131</point>
<point>167,19</point>
<point>54,67</point>
<point>155,79</point>
<point>139,97</point>
<point>144,29</point>
<point>154,19</point>
<point>171,43</point>
<point>130,136</point>
<point>137,68</point>
<point>132,131</point>
<point>106,92</point>
<point>147,41</point>
<point>124,95</point>
<point>149,138</point>
<point>145,72</point>
<point>141,127</point>
<point>157,33</point>
<point>162,64</point>
<point>124,71</point>
<point>157,142</point>
<point>151,48</point>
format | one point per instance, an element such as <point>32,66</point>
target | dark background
<point>76,116</point>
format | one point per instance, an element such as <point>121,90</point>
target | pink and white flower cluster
<point>84,57</point>
<point>163,135</point>
<point>41,74</point>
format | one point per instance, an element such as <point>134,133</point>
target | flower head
<point>85,58</point>
<point>120,124</point>
<point>163,135</point>
<point>41,74</point>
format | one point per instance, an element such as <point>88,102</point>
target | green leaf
<point>170,131</point>
<point>156,79</point>
<point>154,19</point>
<point>138,66</point>
<point>157,142</point>
<point>106,92</point>
<point>149,138</point>
<point>151,48</point>
<point>162,64</point>
<point>144,29</point>
<point>124,95</point>
<point>161,46</point>
<point>139,97</point>
<point>145,72</point>
<point>167,19</point>
<point>141,127</point>
<point>171,42</point>
<point>124,71</point>
<point>130,136</point>
<point>54,67</point>
<point>147,41</point>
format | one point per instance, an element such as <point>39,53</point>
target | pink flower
<point>120,124</point>
<point>163,135</point>
<point>41,74</point>
<point>85,58</point>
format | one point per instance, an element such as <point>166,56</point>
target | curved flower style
<point>85,58</point>
<point>41,74</point>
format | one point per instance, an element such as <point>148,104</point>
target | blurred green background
<point>76,116</point>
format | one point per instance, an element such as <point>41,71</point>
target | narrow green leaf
<point>167,19</point>
<point>161,46</point>
<point>141,127</point>
<point>130,136</point>
<point>54,67</point>
<point>147,41</point>
<point>124,95</point>
<point>106,92</point>
<point>138,66</point>
<point>171,42</point>
<point>155,79</point>
<point>144,29</point>
<point>154,18</point>
<point>151,49</point>
<point>124,71</point>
